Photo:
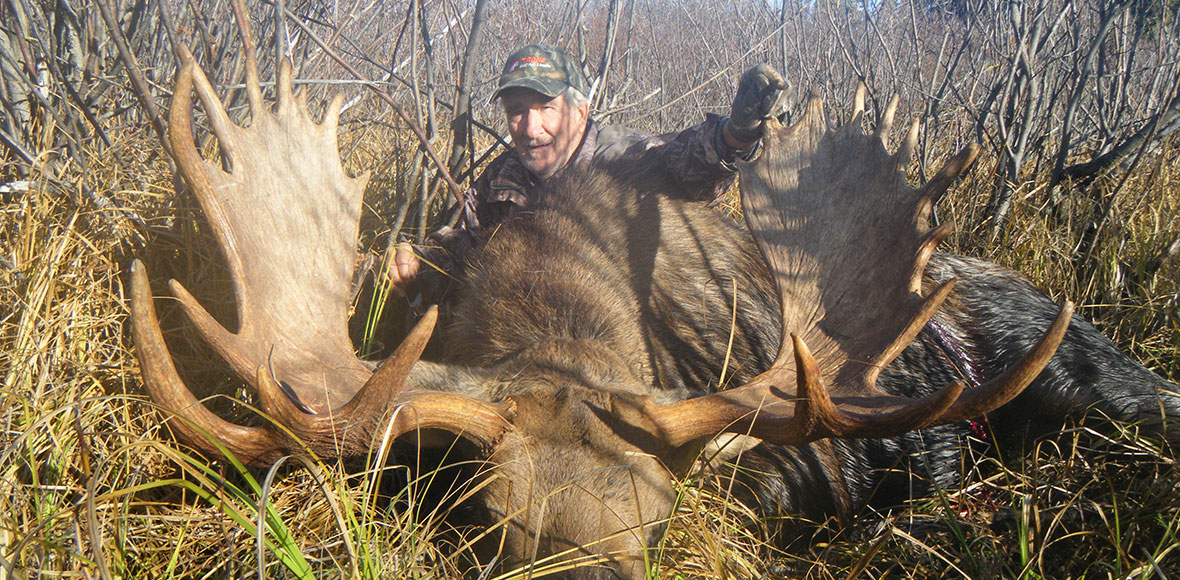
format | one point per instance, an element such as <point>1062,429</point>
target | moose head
<point>580,440</point>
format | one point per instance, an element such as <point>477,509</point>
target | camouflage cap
<point>542,68</point>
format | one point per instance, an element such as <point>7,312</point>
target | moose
<point>594,349</point>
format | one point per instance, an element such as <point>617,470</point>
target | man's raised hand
<point>760,96</point>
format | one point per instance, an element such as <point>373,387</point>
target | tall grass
<point>1133,293</point>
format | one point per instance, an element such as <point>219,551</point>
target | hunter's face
<point>545,130</point>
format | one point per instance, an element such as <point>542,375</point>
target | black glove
<point>760,96</point>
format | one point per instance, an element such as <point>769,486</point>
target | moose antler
<point>286,216</point>
<point>846,240</point>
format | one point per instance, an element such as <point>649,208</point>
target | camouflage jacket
<point>697,156</point>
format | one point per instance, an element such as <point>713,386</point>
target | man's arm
<point>426,268</point>
<point>704,157</point>
<point>703,160</point>
<point>414,269</point>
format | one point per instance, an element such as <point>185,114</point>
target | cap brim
<point>548,87</point>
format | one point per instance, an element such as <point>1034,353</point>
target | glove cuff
<point>744,134</point>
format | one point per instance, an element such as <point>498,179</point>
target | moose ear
<point>727,447</point>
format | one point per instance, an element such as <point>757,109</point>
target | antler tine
<point>198,425</point>
<point>377,394</point>
<point>886,124</point>
<point>950,171</point>
<point>825,419</point>
<point>925,252</point>
<point>253,85</point>
<point>858,101</point>
<point>253,88</point>
<point>218,119</point>
<point>815,407</point>
<point>1012,381</point>
<point>284,101</point>
<point>224,341</point>
<point>190,162</point>
<point>301,100</point>
<point>905,153</point>
<point>929,306</point>
<point>332,115</point>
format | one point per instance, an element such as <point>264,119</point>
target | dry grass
<point>1088,505</point>
<point>1130,288</point>
<point>92,486</point>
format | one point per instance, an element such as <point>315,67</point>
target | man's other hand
<point>760,96</point>
<point>403,268</point>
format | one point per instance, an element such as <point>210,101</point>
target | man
<point>544,99</point>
